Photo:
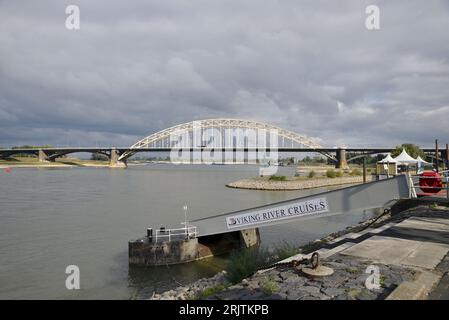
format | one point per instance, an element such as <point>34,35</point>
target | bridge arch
<point>160,138</point>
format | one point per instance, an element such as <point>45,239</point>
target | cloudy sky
<point>139,66</point>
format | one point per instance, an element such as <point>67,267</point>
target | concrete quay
<point>408,248</point>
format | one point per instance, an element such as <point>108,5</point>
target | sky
<point>139,66</point>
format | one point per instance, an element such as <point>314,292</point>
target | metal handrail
<point>187,232</point>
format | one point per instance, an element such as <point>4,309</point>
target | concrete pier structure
<point>147,251</point>
<point>113,160</point>
<point>42,156</point>
<point>342,163</point>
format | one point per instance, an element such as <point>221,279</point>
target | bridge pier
<point>342,163</point>
<point>42,156</point>
<point>114,162</point>
<point>250,237</point>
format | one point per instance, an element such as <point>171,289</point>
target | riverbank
<point>35,165</point>
<point>408,249</point>
<point>300,183</point>
<point>59,163</point>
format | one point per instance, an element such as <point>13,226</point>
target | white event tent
<point>421,160</point>
<point>388,159</point>
<point>389,165</point>
<point>405,159</point>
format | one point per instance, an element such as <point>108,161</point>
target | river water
<point>52,218</point>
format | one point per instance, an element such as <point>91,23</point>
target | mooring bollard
<point>316,270</point>
<point>315,260</point>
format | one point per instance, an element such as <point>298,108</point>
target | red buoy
<point>430,182</point>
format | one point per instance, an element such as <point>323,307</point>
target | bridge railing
<point>163,234</point>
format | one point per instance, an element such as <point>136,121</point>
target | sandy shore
<point>52,165</point>
<point>43,165</point>
<point>294,184</point>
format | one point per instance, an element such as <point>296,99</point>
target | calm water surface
<point>52,218</point>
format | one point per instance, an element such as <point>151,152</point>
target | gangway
<point>223,232</point>
<point>359,197</point>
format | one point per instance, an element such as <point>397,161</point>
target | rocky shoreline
<point>196,290</point>
<point>257,286</point>
<point>348,282</point>
<point>294,184</point>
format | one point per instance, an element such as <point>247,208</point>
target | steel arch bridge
<point>161,139</point>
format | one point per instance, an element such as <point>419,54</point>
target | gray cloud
<point>136,67</point>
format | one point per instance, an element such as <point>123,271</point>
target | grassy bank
<point>306,178</point>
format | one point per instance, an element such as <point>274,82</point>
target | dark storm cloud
<point>137,66</point>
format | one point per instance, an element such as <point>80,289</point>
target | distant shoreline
<point>5,166</point>
<point>69,163</point>
<point>295,184</point>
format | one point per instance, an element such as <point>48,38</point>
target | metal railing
<point>188,232</point>
<point>414,181</point>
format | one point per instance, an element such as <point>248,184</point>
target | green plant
<point>330,173</point>
<point>284,251</point>
<point>278,178</point>
<point>352,270</point>
<point>382,281</point>
<point>356,172</point>
<point>243,263</point>
<point>210,291</point>
<point>270,287</point>
<point>339,174</point>
<point>353,292</point>
<point>311,174</point>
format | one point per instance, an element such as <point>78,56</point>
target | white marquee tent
<point>405,158</point>
<point>421,160</point>
<point>388,159</point>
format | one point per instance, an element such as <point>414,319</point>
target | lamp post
<point>185,218</point>
<point>447,156</point>
<point>436,154</point>
<point>364,169</point>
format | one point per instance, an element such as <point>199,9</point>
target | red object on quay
<point>430,182</point>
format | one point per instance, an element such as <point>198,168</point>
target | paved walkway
<point>441,292</point>
<point>415,242</point>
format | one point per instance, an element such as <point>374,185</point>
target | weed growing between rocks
<point>270,287</point>
<point>284,251</point>
<point>243,263</point>
<point>210,291</point>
